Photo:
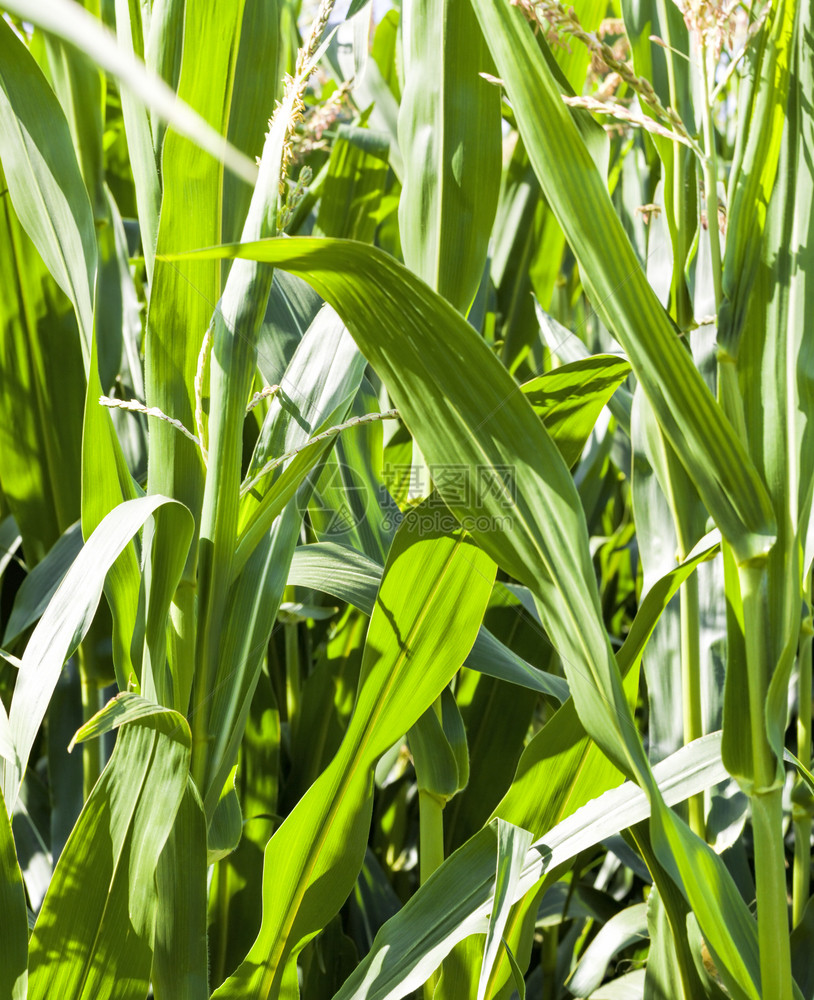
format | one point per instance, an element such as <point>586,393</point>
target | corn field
<point>406,474</point>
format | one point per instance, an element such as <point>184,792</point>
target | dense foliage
<point>405,499</point>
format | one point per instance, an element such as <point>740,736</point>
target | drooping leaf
<point>698,430</point>
<point>94,934</point>
<point>457,899</point>
<point>77,27</point>
<point>419,634</point>
<point>570,399</point>
<point>62,627</point>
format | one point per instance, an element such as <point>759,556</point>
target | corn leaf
<point>62,627</point>
<point>456,901</point>
<point>449,129</point>
<point>512,848</point>
<point>94,934</point>
<point>327,359</point>
<point>42,374</point>
<point>14,940</point>
<point>702,437</point>
<point>419,634</point>
<point>353,577</point>
<point>179,969</point>
<point>72,24</point>
<point>357,170</point>
<point>570,399</point>
<point>44,180</point>
<point>465,411</point>
<point>753,173</point>
<point>183,298</point>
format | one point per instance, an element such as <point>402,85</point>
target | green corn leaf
<point>419,634</point>
<point>79,86</point>
<point>702,437</point>
<point>44,180</point>
<point>41,371</point>
<point>106,484</point>
<point>353,577</point>
<point>526,254</point>
<point>570,349</point>
<point>63,626</point>
<point>75,26</point>
<point>226,826</point>
<point>497,717</point>
<point>357,170</point>
<point>669,70</point>
<point>349,504</point>
<point>125,707</point>
<point>183,298</point>
<point>491,657</point>
<point>10,539</point>
<point>166,542</point>
<point>449,128</point>
<point>328,361</point>
<point>623,930</point>
<point>14,940</point>
<point>457,899</point>
<point>373,90</point>
<point>570,399</point>
<point>439,749</point>
<point>466,412</point>
<point>512,848</point>
<point>99,912</point>
<point>384,49</point>
<point>179,969</point>
<point>754,172</point>
<point>236,324</point>
<point>259,521</point>
<point>435,391</point>
<point>774,339</point>
<point>267,51</point>
<point>250,614</point>
<point>142,153</point>
<point>436,769</point>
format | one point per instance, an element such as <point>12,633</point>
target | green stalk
<point>431,836</point>
<point>430,842</point>
<point>232,368</point>
<point>729,395</point>
<point>801,877</point>
<point>92,750</point>
<point>430,853</point>
<point>431,821</point>
<point>770,883</point>
<point>766,798</point>
<point>680,300</point>
<point>690,630</point>
<point>292,670</point>
<point>711,180</point>
<point>691,687</point>
<point>223,899</point>
<point>548,960</point>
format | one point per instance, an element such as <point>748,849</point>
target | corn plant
<point>405,499</point>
